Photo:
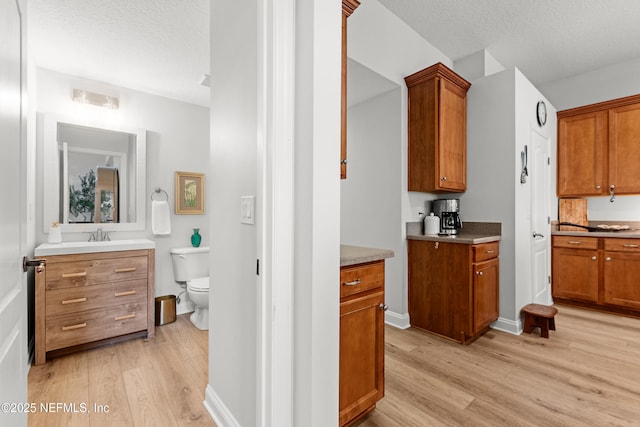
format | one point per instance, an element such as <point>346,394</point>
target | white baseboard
<point>400,321</point>
<point>221,415</point>
<point>507,325</point>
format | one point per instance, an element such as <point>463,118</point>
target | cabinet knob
<point>479,273</point>
<point>608,258</point>
<point>594,258</point>
<point>443,179</point>
<point>598,187</point>
<point>343,161</point>
<point>383,307</point>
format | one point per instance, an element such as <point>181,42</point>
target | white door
<point>13,300</point>
<point>539,176</point>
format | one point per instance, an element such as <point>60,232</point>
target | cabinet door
<point>582,155</point>
<point>485,294</point>
<point>361,355</point>
<point>452,140</point>
<point>575,274</point>
<point>621,285</point>
<point>624,155</point>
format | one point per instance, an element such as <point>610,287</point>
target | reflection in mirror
<point>93,175</point>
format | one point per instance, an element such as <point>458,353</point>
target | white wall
<point>614,81</point>
<point>177,140</point>
<point>236,377</point>
<point>370,202</point>
<point>500,116</point>
<point>380,41</point>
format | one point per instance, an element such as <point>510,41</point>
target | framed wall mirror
<point>93,175</point>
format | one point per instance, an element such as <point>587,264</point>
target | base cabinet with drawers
<point>361,339</point>
<point>453,287</point>
<point>597,272</point>
<point>83,300</point>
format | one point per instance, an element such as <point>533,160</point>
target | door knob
<point>536,234</point>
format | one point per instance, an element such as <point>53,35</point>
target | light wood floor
<point>586,374</point>
<point>158,382</point>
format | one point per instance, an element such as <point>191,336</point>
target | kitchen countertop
<point>350,255</point>
<point>472,233</point>
<point>633,232</point>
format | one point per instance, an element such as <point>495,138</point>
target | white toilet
<point>191,269</point>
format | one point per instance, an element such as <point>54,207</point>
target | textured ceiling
<point>154,46</point>
<point>546,39</point>
<point>162,46</point>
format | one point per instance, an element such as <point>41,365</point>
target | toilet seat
<point>199,284</point>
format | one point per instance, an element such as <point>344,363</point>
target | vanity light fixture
<point>84,97</point>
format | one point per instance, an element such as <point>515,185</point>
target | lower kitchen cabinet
<point>361,339</point>
<point>453,287</point>
<point>575,268</point>
<point>599,273</point>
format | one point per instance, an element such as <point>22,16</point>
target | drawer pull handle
<point>575,242</point>
<point>125,270</point>
<point>490,251</point>
<point>126,316</point>
<point>72,275</point>
<point>125,293</point>
<point>352,283</point>
<point>629,246</point>
<point>73,301</point>
<point>72,327</point>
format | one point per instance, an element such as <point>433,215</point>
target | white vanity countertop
<point>69,248</point>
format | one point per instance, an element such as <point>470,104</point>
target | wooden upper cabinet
<point>582,154</point>
<point>624,149</point>
<point>598,149</point>
<point>437,130</point>
<point>348,6</point>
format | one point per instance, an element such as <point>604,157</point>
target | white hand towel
<point>160,218</point>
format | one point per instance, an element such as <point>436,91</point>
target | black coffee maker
<point>448,210</point>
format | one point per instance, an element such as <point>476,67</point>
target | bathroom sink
<point>68,248</point>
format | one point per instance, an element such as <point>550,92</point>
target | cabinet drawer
<point>575,242</point>
<point>87,326</point>
<point>622,245</point>
<point>485,251</point>
<point>85,273</point>
<point>73,300</point>
<point>361,277</point>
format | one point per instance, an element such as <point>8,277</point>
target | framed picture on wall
<point>189,193</point>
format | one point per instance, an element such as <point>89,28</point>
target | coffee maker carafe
<point>449,212</point>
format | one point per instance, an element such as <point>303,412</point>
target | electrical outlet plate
<point>420,211</point>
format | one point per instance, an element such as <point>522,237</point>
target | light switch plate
<point>247,209</point>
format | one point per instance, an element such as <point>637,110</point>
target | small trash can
<point>165,309</point>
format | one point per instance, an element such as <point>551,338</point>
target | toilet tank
<point>189,263</point>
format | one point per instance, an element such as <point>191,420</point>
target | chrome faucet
<point>99,236</point>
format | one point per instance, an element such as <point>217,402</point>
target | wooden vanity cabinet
<point>361,339</point>
<point>84,300</point>
<point>348,6</point>
<point>453,287</point>
<point>437,130</point>
<point>597,149</point>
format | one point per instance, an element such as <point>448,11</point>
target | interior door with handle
<point>540,199</point>
<point>13,299</point>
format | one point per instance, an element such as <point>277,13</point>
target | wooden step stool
<point>539,316</point>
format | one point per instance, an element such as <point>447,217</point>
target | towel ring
<point>159,190</point>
